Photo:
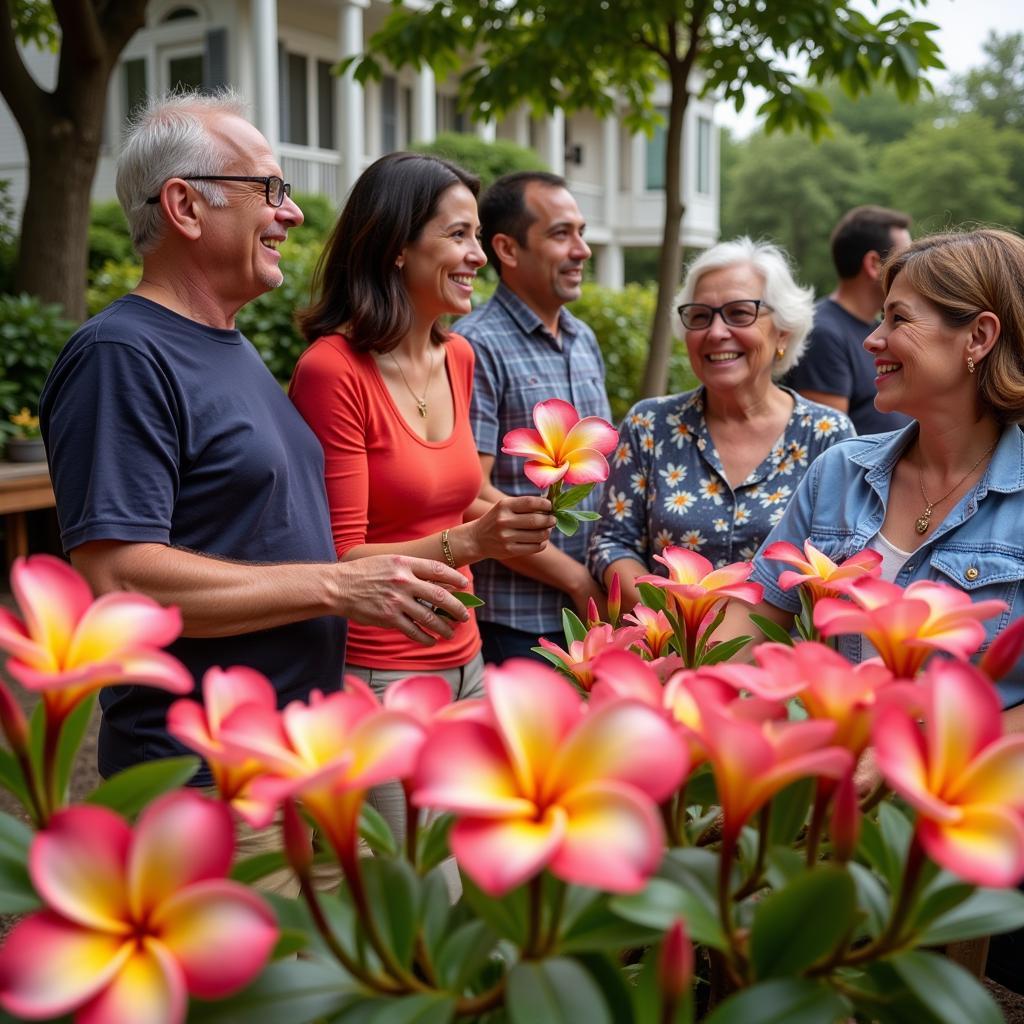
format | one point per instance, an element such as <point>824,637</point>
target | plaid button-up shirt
<point>518,364</point>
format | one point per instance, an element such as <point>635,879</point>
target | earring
<point>779,353</point>
<point>970,365</point>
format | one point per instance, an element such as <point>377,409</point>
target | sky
<point>964,26</point>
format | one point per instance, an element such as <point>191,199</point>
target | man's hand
<point>399,592</point>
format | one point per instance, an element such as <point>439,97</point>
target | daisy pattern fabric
<point>667,486</point>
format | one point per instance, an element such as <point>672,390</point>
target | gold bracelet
<point>446,548</point>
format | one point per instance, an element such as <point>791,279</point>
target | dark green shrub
<point>32,333</point>
<point>320,215</point>
<point>109,237</point>
<point>8,237</point>
<point>110,282</point>
<point>487,160</point>
<point>269,321</point>
<point>622,322</point>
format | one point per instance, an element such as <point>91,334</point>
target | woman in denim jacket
<point>941,499</point>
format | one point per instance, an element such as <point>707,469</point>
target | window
<point>185,71</point>
<point>388,114</point>
<point>655,156</point>
<point>704,128</point>
<point>295,128</point>
<point>324,105</point>
<point>449,117</point>
<point>133,85</point>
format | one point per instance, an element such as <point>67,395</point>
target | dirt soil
<point>85,777</point>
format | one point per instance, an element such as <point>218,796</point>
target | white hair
<point>169,138</point>
<point>792,307</point>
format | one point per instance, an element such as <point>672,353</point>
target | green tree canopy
<point>487,160</point>
<point>996,88</point>
<point>598,55</point>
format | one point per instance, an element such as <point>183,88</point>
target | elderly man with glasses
<point>181,469</point>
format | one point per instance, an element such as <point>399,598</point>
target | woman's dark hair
<point>356,283</point>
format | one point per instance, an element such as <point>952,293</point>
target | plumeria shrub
<point>647,831</point>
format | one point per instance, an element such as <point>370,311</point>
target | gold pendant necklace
<point>421,401</point>
<point>924,520</point>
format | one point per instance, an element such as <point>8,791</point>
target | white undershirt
<point>893,558</point>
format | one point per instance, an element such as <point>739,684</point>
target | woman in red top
<point>387,391</point>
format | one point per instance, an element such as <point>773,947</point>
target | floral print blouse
<point>667,485</point>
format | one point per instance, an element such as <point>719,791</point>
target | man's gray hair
<point>792,306</point>
<point>168,138</point>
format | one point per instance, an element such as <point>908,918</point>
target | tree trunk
<point>54,245</point>
<point>670,258</point>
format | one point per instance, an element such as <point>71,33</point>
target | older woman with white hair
<point>712,469</point>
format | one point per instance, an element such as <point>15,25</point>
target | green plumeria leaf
<point>129,791</point>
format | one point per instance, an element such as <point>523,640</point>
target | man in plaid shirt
<point>529,348</point>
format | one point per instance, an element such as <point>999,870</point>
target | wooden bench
<point>24,487</point>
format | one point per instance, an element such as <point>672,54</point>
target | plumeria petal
<point>199,923</point>
<point>149,989</point>
<point>624,741</point>
<point>422,697</point>
<point>543,475</point>
<point>49,966</point>
<point>165,856</point>
<point>613,840</point>
<point>499,855</point>
<point>384,746</point>
<point>525,441</point>
<point>78,865</point>
<point>554,419</point>
<point>116,623</point>
<point>586,466</point>
<point>516,691</point>
<point>14,639</point>
<point>985,846</point>
<point>995,777</point>
<point>226,689</point>
<point>52,598</point>
<point>464,768</point>
<point>592,432</point>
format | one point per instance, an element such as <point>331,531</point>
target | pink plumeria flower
<point>907,626</point>
<point>817,572</point>
<point>697,589</point>
<point>1004,652</point>
<point>326,754</point>
<point>563,447</point>
<point>754,760</point>
<point>657,629</point>
<point>199,726</point>
<point>135,922</point>
<point>568,788</point>
<point>964,778</point>
<point>67,645</point>
<point>578,661</point>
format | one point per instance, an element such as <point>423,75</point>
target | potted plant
<point>24,442</point>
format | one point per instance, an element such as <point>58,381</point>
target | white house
<point>327,129</point>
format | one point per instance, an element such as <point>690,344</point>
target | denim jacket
<point>979,547</point>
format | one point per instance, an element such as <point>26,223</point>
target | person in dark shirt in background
<point>836,370</point>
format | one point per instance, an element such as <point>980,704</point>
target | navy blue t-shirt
<point>836,363</point>
<point>160,429</point>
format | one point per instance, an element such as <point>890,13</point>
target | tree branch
<point>650,44</point>
<point>81,37</point>
<point>21,91</point>
<point>119,21</point>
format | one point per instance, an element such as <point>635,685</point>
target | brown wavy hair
<point>963,274</point>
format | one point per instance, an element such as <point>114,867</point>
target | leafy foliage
<point>32,333</point>
<point>487,160</point>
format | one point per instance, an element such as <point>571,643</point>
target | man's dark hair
<point>356,282</point>
<point>862,230</point>
<point>503,209</point>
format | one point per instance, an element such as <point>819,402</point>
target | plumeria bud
<point>614,599</point>
<point>675,963</point>
<point>12,721</point>
<point>298,840</point>
<point>845,827</point>
<point>1004,651</point>
<point>593,615</point>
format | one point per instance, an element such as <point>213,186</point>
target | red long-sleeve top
<point>385,483</point>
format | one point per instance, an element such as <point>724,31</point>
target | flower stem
<point>754,879</point>
<point>816,826</point>
<point>412,822</point>
<point>533,935</point>
<point>557,909</point>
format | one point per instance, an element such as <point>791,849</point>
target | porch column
<point>264,29</point>
<point>487,130</point>
<point>610,172</point>
<point>424,106</point>
<point>350,110</point>
<point>554,141</point>
<point>611,271</point>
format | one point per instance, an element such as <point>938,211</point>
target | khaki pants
<point>466,682</point>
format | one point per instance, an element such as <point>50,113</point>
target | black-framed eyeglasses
<point>697,316</point>
<point>274,188</point>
